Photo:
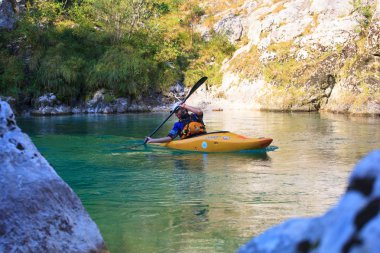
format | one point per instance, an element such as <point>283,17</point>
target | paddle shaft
<point>155,130</point>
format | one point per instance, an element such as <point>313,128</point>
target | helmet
<point>175,107</point>
<point>182,112</point>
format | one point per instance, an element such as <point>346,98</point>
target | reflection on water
<point>152,199</point>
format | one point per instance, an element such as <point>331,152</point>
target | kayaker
<point>189,124</point>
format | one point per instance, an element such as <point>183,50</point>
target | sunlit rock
<point>230,25</point>
<point>302,54</point>
<point>38,211</point>
<point>312,55</point>
<point>335,8</point>
<point>373,38</point>
<point>249,6</point>
<point>352,226</point>
<point>267,56</point>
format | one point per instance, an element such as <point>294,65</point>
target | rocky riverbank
<point>101,102</point>
<point>240,97</point>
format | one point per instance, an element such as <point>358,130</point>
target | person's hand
<point>148,139</point>
<point>183,105</point>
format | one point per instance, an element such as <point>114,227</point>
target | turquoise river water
<point>151,199</point>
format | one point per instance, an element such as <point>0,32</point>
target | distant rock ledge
<point>353,225</point>
<point>102,102</point>
<point>39,212</point>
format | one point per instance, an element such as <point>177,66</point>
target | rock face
<point>38,210</point>
<point>7,18</point>
<point>352,226</point>
<point>231,26</point>
<point>8,11</point>
<point>310,55</point>
<point>373,42</point>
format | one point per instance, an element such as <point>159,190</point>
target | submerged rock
<point>352,226</point>
<point>39,212</point>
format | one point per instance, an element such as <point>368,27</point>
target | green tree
<point>11,74</point>
<point>119,17</point>
<point>73,47</point>
<point>191,19</point>
<point>123,71</point>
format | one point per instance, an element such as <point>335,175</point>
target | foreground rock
<point>38,210</point>
<point>352,226</point>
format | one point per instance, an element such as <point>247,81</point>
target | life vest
<point>192,128</point>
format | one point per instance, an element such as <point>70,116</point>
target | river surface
<point>152,199</point>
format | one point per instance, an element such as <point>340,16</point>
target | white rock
<point>38,210</point>
<point>267,56</point>
<point>302,54</point>
<point>249,5</point>
<point>264,43</point>
<point>332,8</point>
<point>331,33</point>
<point>230,25</point>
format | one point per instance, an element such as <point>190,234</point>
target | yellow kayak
<point>218,142</point>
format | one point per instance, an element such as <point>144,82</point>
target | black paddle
<point>193,89</point>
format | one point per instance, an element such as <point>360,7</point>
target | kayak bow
<point>223,141</point>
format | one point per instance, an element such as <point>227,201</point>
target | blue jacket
<point>178,126</point>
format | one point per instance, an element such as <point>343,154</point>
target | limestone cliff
<point>301,55</point>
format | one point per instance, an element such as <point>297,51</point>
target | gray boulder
<point>39,212</point>
<point>232,26</point>
<point>106,103</point>
<point>8,12</point>
<point>121,105</point>
<point>48,104</point>
<point>96,104</point>
<point>7,15</point>
<point>352,226</point>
